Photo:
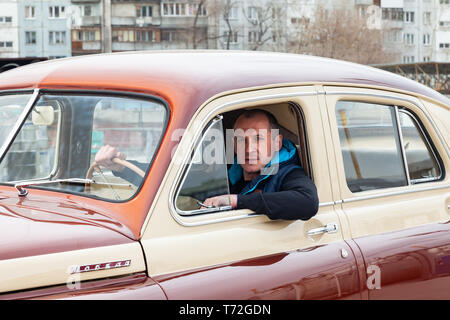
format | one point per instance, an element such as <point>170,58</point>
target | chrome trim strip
<point>326,204</point>
<point>19,123</point>
<point>395,193</point>
<point>207,118</point>
<point>401,99</point>
<point>402,146</point>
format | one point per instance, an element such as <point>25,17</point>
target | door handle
<point>328,228</point>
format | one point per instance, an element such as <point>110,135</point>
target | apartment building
<point>249,25</point>
<point>442,37</point>
<point>34,28</point>
<point>86,27</point>
<point>417,30</point>
<point>9,29</point>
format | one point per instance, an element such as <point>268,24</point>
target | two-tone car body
<point>375,144</point>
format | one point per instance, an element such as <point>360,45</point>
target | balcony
<point>138,22</point>
<point>90,21</point>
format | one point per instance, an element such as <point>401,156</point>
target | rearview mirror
<point>43,115</point>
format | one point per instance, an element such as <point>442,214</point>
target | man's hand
<point>220,201</point>
<point>106,154</point>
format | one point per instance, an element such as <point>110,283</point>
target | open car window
<point>62,134</point>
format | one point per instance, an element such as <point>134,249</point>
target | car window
<point>370,146</point>
<point>422,164</point>
<point>206,174</point>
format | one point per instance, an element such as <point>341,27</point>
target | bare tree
<point>341,34</point>
<point>265,22</point>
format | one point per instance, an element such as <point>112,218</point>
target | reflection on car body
<point>375,144</point>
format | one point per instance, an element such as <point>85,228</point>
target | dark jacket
<point>283,191</point>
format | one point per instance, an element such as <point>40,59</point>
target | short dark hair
<point>254,112</point>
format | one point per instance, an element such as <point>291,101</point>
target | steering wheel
<point>95,166</point>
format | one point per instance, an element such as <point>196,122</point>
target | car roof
<point>196,76</point>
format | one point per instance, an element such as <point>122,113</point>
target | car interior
<point>190,192</point>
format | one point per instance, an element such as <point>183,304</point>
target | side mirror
<point>43,115</point>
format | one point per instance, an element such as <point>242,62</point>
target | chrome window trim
<point>395,193</point>
<point>178,218</point>
<point>425,112</point>
<point>413,187</point>
<point>402,146</point>
<point>425,136</point>
<point>187,167</point>
<point>109,93</point>
<point>19,122</point>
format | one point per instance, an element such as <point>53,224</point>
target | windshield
<point>63,134</point>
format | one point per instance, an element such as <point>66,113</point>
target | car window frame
<point>234,214</point>
<point>383,97</point>
<point>37,93</point>
<point>186,169</point>
<point>428,143</point>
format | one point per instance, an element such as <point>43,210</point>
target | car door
<point>235,254</point>
<point>392,164</point>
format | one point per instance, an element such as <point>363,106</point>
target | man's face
<point>254,143</point>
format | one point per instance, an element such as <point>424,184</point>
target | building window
<point>56,12</point>
<point>89,36</point>
<point>426,58</point>
<point>30,12</point>
<point>409,38</point>
<point>123,35</point>
<point>233,37</point>
<point>252,13</point>
<point>145,36</point>
<point>392,14</point>
<point>57,37</point>
<point>182,9</point>
<point>409,16</point>
<point>171,36</point>
<point>444,45</point>
<point>5,19</point>
<point>233,13</point>
<point>253,36</point>
<point>427,18</point>
<point>444,1</point>
<point>6,44</point>
<point>427,39</point>
<point>144,11</point>
<point>87,11</point>
<point>408,59</point>
<point>30,37</point>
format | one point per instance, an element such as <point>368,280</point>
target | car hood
<point>27,229</point>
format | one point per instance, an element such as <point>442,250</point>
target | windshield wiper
<point>23,192</point>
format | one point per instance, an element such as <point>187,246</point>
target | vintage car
<point>375,144</point>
